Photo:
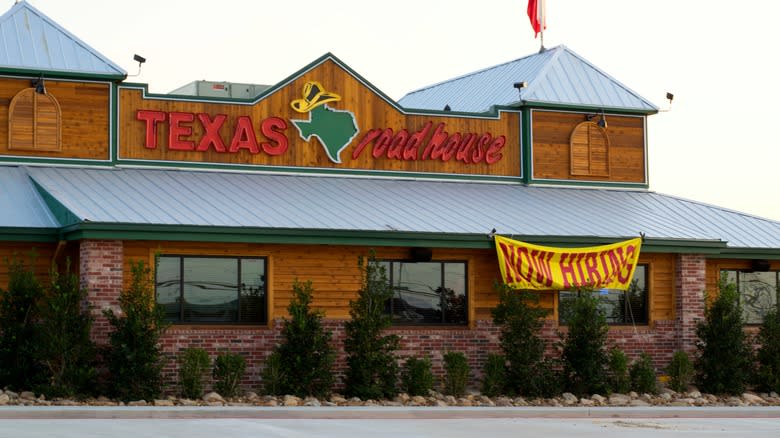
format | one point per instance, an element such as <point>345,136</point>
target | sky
<point>717,145</point>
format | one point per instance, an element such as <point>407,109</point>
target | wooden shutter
<point>589,150</point>
<point>34,122</point>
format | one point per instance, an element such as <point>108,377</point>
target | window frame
<point>738,271</point>
<point>648,276</point>
<point>263,320</point>
<point>389,309</point>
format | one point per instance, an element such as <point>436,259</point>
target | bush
<point>417,378</point>
<point>584,356</point>
<point>273,375</point>
<point>134,356</point>
<point>725,357</point>
<point>619,380</point>
<point>194,363</point>
<point>371,367</point>
<point>305,354</point>
<point>680,371</point>
<point>768,355</point>
<point>494,375</point>
<point>64,348</point>
<point>457,371</point>
<point>228,372</point>
<point>520,320</point>
<point>643,375</point>
<point>18,328</point>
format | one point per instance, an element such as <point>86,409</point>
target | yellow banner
<point>526,266</point>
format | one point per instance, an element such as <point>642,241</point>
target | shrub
<point>725,358</point>
<point>768,355</point>
<point>228,372</point>
<point>417,378</point>
<point>583,348</point>
<point>520,320</point>
<point>643,375</point>
<point>305,354</point>
<point>457,371</point>
<point>18,329</point>
<point>194,363</point>
<point>371,367</point>
<point>64,348</point>
<point>134,356</point>
<point>273,375</point>
<point>619,380</point>
<point>680,371</point>
<point>494,375</point>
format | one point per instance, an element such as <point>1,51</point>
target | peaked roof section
<point>20,202</point>
<point>31,42</point>
<point>556,76</point>
<point>335,209</point>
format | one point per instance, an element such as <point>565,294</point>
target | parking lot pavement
<point>229,422</point>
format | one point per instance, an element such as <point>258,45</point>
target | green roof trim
<point>586,108</point>
<point>93,230</point>
<point>587,183</point>
<point>55,74</point>
<point>43,235</point>
<point>63,215</point>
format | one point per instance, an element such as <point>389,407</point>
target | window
<point>212,289</point>
<point>758,293</point>
<point>619,307</point>
<point>427,292</point>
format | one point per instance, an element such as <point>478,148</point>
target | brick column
<point>690,282</point>
<point>101,273</point>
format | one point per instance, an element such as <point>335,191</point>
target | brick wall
<point>255,344</point>
<point>690,282</point>
<point>101,272</point>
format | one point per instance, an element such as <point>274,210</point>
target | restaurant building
<point>234,191</point>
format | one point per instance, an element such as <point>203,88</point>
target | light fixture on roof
<point>520,85</point>
<point>140,60</point>
<point>670,98</point>
<point>39,85</point>
<point>603,122</point>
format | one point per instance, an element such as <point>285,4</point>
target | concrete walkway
<point>378,422</point>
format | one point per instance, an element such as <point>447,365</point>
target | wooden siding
<point>336,279</point>
<point>332,269</point>
<point>369,109</point>
<point>552,134</point>
<point>38,254</point>
<point>85,114</point>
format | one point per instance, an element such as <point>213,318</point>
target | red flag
<point>536,14</point>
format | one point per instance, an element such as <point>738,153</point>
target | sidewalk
<point>390,422</point>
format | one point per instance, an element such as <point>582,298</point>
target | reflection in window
<point>758,293</point>
<point>212,289</point>
<point>427,293</point>
<point>619,307</point>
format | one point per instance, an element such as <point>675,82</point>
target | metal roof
<point>20,203</point>
<point>29,40</point>
<point>554,76</point>
<point>198,198</point>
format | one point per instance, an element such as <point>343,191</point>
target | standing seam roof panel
<point>363,204</point>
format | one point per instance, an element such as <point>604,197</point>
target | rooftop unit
<point>226,90</point>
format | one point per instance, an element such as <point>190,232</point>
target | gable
<point>324,117</point>
<point>556,76</point>
<point>34,44</point>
